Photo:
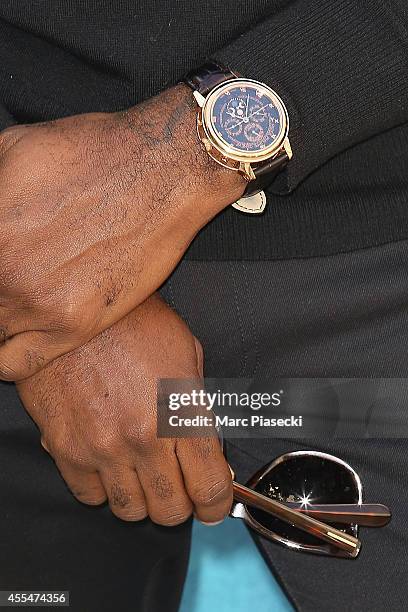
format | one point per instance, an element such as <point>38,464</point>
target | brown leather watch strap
<point>265,173</point>
<point>208,76</point>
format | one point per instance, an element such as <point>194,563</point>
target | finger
<point>26,354</point>
<point>167,500</point>
<point>126,498</point>
<point>87,487</point>
<point>207,477</point>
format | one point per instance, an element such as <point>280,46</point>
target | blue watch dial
<point>247,118</point>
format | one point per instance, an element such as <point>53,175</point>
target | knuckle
<point>212,491</point>
<point>172,516</point>
<point>126,504</point>
<point>143,437</point>
<point>66,316</point>
<point>130,514</point>
<point>103,446</point>
<point>71,316</point>
<point>65,452</point>
<point>63,456</point>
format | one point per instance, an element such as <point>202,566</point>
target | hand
<point>95,212</point>
<point>96,411</point>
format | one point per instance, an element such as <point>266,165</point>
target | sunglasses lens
<point>308,479</point>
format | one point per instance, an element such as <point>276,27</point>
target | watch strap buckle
<point>254,204</point>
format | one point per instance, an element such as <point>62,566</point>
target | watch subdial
<point>233,127</point>
<point>254,132</point>
<point>236,108</point>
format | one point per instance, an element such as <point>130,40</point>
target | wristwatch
<point>244,126</point>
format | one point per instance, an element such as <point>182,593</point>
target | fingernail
<point>232,472</point>
<point>207,524</point>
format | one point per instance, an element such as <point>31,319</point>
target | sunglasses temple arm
<point>335,537</point>
<point>366,515</point>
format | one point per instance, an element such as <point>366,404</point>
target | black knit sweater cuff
<point>341,68</point>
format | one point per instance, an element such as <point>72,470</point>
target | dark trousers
<point>344,315</point>
<point>50,541</point>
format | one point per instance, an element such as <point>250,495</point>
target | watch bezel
<point>231,152</point>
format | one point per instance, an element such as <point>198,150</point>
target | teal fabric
<point>228,574</point>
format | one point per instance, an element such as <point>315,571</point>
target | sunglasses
<point>308,501</point>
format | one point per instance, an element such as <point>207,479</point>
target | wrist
<point>220,185</point>
<point>168,127</point>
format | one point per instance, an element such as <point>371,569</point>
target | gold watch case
<point>219,150</point>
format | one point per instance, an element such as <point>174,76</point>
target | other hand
<point>96,411</point>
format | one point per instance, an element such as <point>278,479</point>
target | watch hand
<point>239,122</point>
<point>231,112</point>
<point>247,105</point>
<point>258,111</point>
<point>251,115</point>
